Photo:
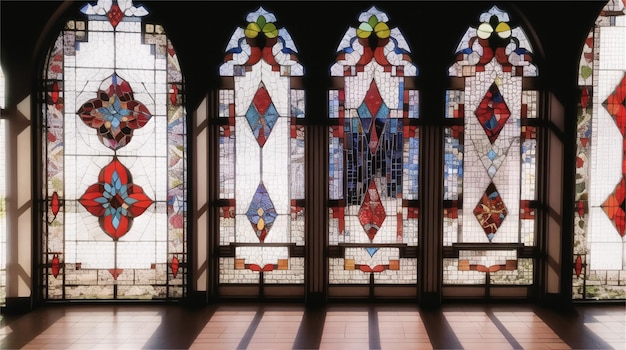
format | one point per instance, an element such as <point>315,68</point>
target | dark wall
<point>201,29</point>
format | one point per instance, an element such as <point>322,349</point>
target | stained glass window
<point>599,220</point>
<point>490,157</point>
<point>3,198</point>
<point>3,213</point>
<point>373,157</point>
<point>261,115</point>
<point>114,148</point>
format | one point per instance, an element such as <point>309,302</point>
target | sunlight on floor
<point>99,330</point>
<point>225,330</point>
<point>610,328</point>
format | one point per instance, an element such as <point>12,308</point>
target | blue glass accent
<point>261,200</point>
<point>383,113</point>
<point>371,251</point>
<point>254,119</point>
<point>364,113</point>
<point>491,123</point>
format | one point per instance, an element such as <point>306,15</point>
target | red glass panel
<point>115,200</point>
<point>55,266</point>
<point>490,211</point>
<point>174,94</point>
<point>116,273</point>
<point>584,98</point>
<point>615,104</point>
<point>372,213</point>
<point>55,92</point>
<point>55,204</point>
<point>492,113</point>
<point>174,266</point>
<point>614,207</point>
<point>115,15</point>
<point>578,266</point>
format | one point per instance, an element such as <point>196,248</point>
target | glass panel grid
<point>373,157</point>
<point>261,168</point>
<point>599,230</point>
<point>3,210</point>
<point>115,217</point>
<point>490,156</point>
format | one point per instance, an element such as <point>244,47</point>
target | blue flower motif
<point>114,112</point>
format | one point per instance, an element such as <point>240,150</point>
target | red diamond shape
<point>372,122</point>
<point>372,213</point>
<point>490,211</point>
<point>492,113</point>
<point>373,100</point>
<point>615,104</point>
<point>115,15</point>
<point>262,115</point>
<point>614,207</point>
<point>262,100</point>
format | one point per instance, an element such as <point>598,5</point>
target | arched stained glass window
<point>373,157</point>
<point>114,146</point>
<point>600,224</point>
<point>261,115</point>
<point>490,157</point>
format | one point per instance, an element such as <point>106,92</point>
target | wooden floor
<point>292,326</point>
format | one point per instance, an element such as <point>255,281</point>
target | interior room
<point>313,174</point>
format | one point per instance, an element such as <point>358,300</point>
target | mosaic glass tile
<point>373,155</point>
<point>490,150</point>
<point>261,155</point>
<point>3,204</point>
<point>599,247</point>
<point>492,114</point>
<point>490,211</point>
<point>115,155</point>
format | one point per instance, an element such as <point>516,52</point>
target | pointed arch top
<point>373,40</point>
<point>261,39</point>
<point>494,40</point>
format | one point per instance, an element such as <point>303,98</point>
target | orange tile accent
<point>511,265</point>
<point>240,264</point>
<point>464,265</point>
<point>283,264</point>
<point>348,264</point>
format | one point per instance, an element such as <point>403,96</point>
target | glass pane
<point>3,197</point>
<point>261,156</point>
<point>599,221</point>
<point>115,160</point>
<point>490,157</point>
<point>373,157</point>
<point>3,210</point>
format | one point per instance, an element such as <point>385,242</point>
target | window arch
<point>261,165</point>
<point>373,157</point>
<point>599,221</point>
<point>490,157</point>
<point>114,152</point>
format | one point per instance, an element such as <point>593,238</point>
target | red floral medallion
<point>115,200</point>
<point>114,113</point>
